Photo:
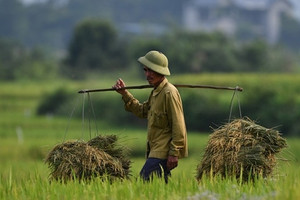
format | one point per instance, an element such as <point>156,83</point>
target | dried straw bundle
<point>108,144</point>
<point>241,149</point>
<point>99,157</point>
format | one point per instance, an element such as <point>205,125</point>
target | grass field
<point>25,140</point>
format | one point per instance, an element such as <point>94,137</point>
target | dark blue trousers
<point>155,167</point>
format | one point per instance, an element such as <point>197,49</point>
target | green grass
<point>29,181</point>
<point>25,140</point>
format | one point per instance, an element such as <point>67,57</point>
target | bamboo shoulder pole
<point>112,89</point>
<point>237,88</point>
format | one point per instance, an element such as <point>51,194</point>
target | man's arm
<point>178,142</point>
<point>131,103</point>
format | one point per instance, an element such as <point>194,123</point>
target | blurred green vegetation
<point>271,100</point>
<point>44,62</point>
<point>96,47</point>
<point>269,75</point>
<point>56,20</point>
<point>26,138</point>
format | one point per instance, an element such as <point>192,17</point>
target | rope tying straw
<point>231,104</point>
<point>82,126</point>
<point>69,120</point>
<point>94,115</point>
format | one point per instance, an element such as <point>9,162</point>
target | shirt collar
<point>157,90</point>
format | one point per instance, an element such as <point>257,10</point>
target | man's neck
<point>158,83</point>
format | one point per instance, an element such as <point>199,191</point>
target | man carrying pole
<point>167,136</point>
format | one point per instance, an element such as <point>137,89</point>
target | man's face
<point>153,77</point>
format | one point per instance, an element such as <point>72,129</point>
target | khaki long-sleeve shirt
<point>166,126</point>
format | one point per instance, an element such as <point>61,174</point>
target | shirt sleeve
<point>131,104</point>
<point>177,123</point>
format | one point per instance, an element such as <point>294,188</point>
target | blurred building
<point>242,18</point>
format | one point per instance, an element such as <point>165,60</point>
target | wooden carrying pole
<point>237,88</point>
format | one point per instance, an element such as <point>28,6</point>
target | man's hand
<point>119,85</point>
<point>172,162</point>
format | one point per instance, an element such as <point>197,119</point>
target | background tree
<point>200,52</point>
<point>18,62</point>
<point>11,54</point>
<point>94,47</point>
<point>254,56</point>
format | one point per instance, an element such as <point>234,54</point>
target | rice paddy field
<point>26,139</point>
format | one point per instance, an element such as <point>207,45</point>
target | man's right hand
<point>119,85</point>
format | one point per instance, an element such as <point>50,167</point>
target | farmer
<point>167,137</point>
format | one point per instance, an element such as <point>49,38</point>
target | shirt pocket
<point>160,119</point>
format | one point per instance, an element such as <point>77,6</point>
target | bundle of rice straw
<point>241,149</point>
<point>99,157</point>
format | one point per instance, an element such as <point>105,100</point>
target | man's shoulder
<point>170,88</point>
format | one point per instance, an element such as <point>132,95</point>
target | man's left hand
<point>172,162</point>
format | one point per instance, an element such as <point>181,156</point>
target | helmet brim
<point>154,67</point>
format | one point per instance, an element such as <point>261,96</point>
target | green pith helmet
<point>156,61</point>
